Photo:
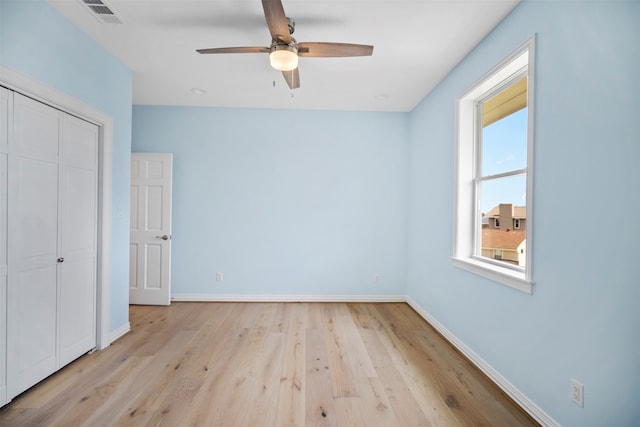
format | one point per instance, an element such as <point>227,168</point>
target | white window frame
<point>466,222</point>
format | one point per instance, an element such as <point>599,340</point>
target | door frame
<point>27,86</point>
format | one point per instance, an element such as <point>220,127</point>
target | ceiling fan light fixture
<point>283,57</point>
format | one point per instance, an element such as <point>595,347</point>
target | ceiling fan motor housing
<point>291,24</point>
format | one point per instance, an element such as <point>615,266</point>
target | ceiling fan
<point>285,50</point>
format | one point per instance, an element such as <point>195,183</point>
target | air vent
<point>102,11</point>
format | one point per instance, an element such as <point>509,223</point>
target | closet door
<point>77,238</point>
<point>52,204</point>
<point>33,244</point>
<point>5,108</point>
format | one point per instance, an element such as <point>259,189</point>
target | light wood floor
<point>269,364</point>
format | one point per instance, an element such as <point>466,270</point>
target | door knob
<point>60,259</point>
<point>164,237</point>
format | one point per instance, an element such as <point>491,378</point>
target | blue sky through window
<point>504,148</point>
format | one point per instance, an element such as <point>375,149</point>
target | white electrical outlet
<point>376,278</point>
<point>576,392</point>
<point>219,277</point>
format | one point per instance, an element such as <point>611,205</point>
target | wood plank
<point>319,401</point>
<point>291,394</point>
<point>348,359</point>
<point>209,404</point>
<point>264,384</point>
<point>225,358</point>
<point>314,316</point>
<point>400,397</point>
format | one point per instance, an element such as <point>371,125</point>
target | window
<point>494,146</point>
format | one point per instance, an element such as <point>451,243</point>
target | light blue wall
<point>37,41</point>
<point>582,320</point>
<point>283,202</point>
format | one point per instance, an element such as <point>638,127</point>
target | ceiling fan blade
<point>276,20</point>
<point>246,49</point>
<point>328,50</point>
<point>293,78</point>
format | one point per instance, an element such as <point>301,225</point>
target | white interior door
<point>33,243</point>
<point>150,248</point>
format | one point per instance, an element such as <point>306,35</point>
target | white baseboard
<point>114,335</point>
<point>529,406</point>
<point>3,396</point>
<point>287,298</point>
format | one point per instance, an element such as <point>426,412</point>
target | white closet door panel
<point>78,188</point>
<point>33,244</point>
<point>34,205</point>
<point>77,238</point>
<point>32,326</point>
<point>77,280</point>
<point>77,329</point>
<point>35,129</point>
<point>80,143</point>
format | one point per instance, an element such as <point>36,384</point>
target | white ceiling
<point>416,43</point>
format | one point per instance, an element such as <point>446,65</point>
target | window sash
<point>479,178</point>
<point>477,227</point>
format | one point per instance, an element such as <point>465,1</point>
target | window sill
<point>496,273</point>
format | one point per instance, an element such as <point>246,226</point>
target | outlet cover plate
<point>576,392</point>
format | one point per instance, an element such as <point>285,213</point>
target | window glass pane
<point>502,202</point>
<point>504,142</point>
<point>511,189</point>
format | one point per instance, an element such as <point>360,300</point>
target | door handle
<point>164,237</point>
<point>60,259</point>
